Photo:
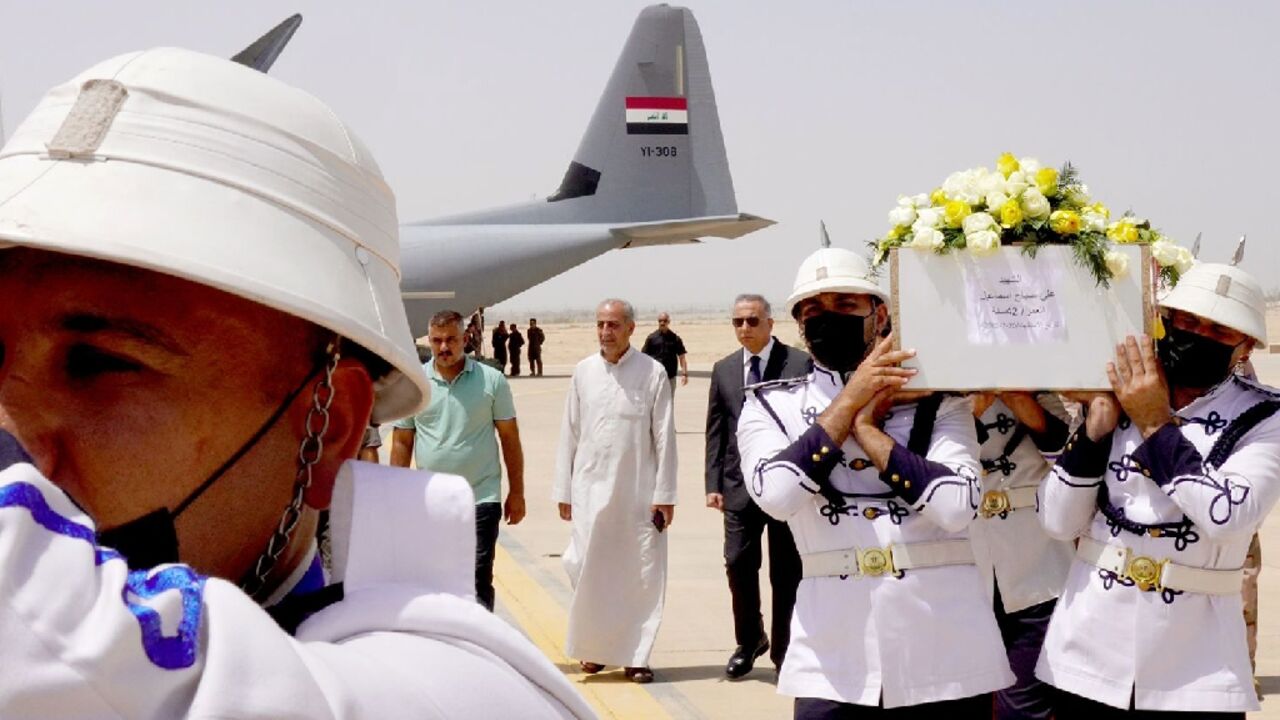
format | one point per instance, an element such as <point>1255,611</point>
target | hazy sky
<point>829,109</point>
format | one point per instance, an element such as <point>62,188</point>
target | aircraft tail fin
<point>653,149</point>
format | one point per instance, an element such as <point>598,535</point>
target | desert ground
<point>696,636</point>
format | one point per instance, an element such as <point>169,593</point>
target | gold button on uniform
<point>906,484</point>
<point>894,477</point>
<point>817,457</point>
<point>825,450</point>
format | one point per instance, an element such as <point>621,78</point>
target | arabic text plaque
<point>1010,321</point>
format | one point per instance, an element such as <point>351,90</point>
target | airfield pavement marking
<point>545,622</point>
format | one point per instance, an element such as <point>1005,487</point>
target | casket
<point>1008,321</point>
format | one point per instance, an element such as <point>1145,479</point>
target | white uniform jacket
<point>1011,547</point>
<point>81,636</point>
<point>1177,496</point>
<point>925,636</point>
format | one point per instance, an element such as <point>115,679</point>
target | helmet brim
<point>220,236</point>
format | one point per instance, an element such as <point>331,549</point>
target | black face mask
<point>1193,361</point>
<point>152,539</point>
<point>836,340</point>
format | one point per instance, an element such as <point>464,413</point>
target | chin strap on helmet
<point>309,452</point>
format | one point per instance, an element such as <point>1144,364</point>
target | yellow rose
<point>894,234</point>
<point>1007,164</point>
<point>1010,215</point>
<point>938,197</point>
<point>1100,209</point>
<point>1123,231</point>
<point>1047,181</point>
<point>955,212</point>
<point>1064,222</point>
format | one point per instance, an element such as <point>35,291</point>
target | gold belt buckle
<point>994,502</point>
<point>874,562</point>
<point>1145,572</point>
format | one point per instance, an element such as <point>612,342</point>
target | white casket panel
<point>1009,321</point>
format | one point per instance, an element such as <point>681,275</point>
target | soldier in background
<point>536,338</point>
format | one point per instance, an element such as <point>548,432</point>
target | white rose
<point>1029,166</point>
<point>906,201</point>
<point>1093,222</point>
<point>928,217</point>
<point>995,201</point>
<point>982,242</point>
<point>921,200</point>
<point>902,215</point>
<point>963,186</point>
<point>927,238</point>
<point>1165,252</point>
<point>1035,204</point>
<point>1185,260</point>
<point>1117,263</point>
<point>977,222</point>
<point>1016,183</point>
<point>989,183</point>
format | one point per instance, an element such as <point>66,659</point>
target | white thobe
<point>1012,549</point>
<point>617,458</point>
<point>1169,650</point>
<point>83,637</point>
<point>927,636</point>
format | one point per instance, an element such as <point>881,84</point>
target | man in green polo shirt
<point>455,434</point>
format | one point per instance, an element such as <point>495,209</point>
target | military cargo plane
<point>650,170</point>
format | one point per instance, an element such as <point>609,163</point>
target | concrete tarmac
<point>696,637</point>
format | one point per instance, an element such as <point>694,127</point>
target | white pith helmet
<point>1224,294</point>
<point>207,170</point>
<point>833,270</point>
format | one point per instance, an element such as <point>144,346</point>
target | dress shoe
<point>743,659</point>
<point>642,675</point>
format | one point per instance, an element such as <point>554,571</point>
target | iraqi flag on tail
<point>657,116</point>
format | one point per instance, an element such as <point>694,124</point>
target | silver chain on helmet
<point>309,452</point>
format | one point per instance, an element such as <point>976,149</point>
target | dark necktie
<point>753,370</point>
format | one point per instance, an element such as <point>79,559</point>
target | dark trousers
<point>535,363</point>
<point>488,515</point>
<point>1023,633</point>
<point>515,362</point>
<point>743,537</point>
<point>501,359</point>
<point>977,707</point>
<point>1074,707</point>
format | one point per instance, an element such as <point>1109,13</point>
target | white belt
<point>1150,574</point>
<point>1000,502</point>
<point>891,560</point>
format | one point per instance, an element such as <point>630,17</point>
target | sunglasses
<point>752,321</point>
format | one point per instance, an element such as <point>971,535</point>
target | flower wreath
<point>1031,205</point>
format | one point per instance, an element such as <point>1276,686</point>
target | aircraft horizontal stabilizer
<point>671,232</point>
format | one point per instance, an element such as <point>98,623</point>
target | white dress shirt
<point>927,636</point>
<point>1166,497</point>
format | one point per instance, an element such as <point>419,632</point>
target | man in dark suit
<point>761,358</point>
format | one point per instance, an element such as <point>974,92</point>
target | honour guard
<point>890,611</point>
<point>206,262</point>
<point>1023,569</point>
<point>1164,485</point>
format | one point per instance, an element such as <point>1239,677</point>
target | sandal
<point>640,675</point>
<point>590,668</point>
